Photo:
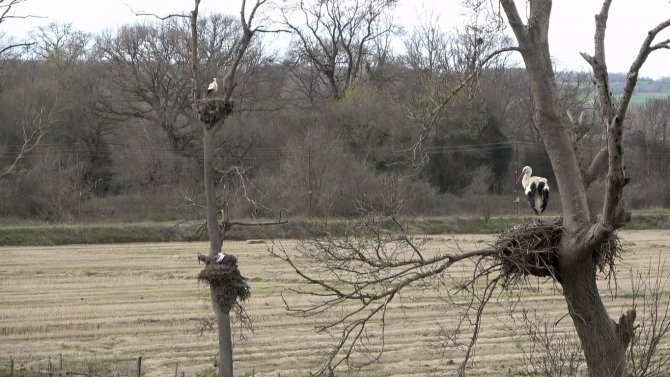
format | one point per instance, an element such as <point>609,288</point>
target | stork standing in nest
<point>535,188</point>
<point>213,87</point>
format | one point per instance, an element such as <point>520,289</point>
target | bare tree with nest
<point>228,288</point>
<point>358,276</point>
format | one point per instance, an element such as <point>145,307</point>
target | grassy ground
<point>166,231</point>
<point>100,302</point>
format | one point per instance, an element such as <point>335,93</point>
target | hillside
<point>645,89</point>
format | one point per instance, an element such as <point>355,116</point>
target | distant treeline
<point>119,139</point>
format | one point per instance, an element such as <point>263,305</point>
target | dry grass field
<point>100,302</point>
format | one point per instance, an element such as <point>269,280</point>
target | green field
<point>642,98</point>
<point>166,231</point>
<point>107,302</point>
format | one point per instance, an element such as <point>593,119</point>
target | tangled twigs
<point>211,110</point>
<point>225,279</point>
<point>531,248</point>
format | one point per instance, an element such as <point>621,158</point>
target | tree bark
<point>209,148</point>
<point>604,349</point>
<point>534,46</point>
<point>215,234</point>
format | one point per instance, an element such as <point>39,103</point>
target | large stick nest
<point>211,110</point>
<point>225,279</point>
<point>531,248</point>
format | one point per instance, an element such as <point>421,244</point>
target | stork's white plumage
<point>535,188</point>
<point>220,257</point>
<point>213,87</point>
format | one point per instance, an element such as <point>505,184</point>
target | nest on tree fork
<point>225,279</point>
<point>531,248</point>
<point>211,110</point>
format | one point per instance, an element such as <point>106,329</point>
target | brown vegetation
<point>111,302</point>
<point>112,132</point>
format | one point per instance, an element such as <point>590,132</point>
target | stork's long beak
<point>518,179</point>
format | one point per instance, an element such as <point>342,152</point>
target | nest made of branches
<point>226,280</point>
<point>531,248</point>
<point>211,110</point>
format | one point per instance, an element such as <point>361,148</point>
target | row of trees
<point>384,118</point>
<point>112,112</point>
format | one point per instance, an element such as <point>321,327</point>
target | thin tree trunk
<point>210,191</point>
<point>215,236</point>
<point>225,344</point>
<point>209,147</point>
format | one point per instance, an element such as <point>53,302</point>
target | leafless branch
<point>645,355</point>
<point>488,291</point>
<point>431,117</point>
<point>549,351</point>
<point>162,18</point>
<point>614,215</point>
<point>597,165</point>
<point>33,131</point>
<point>15,45</point>
<point>369,268</point>
<point>7,5</point>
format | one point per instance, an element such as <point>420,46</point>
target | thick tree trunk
<point>604,348</point>
<point>603,345</point>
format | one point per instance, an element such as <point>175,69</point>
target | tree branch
<point>595,167</point>
<point>41,122</point>
<point>614,215</point>
<point>429,120</point>
<point>162,18</point>
<point>15,45</point>
<point>367,269</point>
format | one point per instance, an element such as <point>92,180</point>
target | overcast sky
<point>571,30</point>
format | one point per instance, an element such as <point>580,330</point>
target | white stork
<point>535,188</point>
<point>220,257</point>
<point>213,87</point>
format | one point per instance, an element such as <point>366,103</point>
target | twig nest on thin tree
<point>531,248</point>
<point>211,110</point>
<point>225,278</point>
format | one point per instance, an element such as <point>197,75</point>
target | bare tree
<point>334,37</point>
<point>649,134</point>
<point>34,127</point>
<point>37,124</point>
<point>60,44</point>
<point>373,269</point>
<point>7,8</point>
<point>226,283</point>
<point>148,67</point>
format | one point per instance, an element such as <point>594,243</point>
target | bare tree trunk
<point>604,350</point>
<point>213,230</point>
<point>225,343</point>
<point>215,236</point>
<point>603,341</point>
<point>209,147</point>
